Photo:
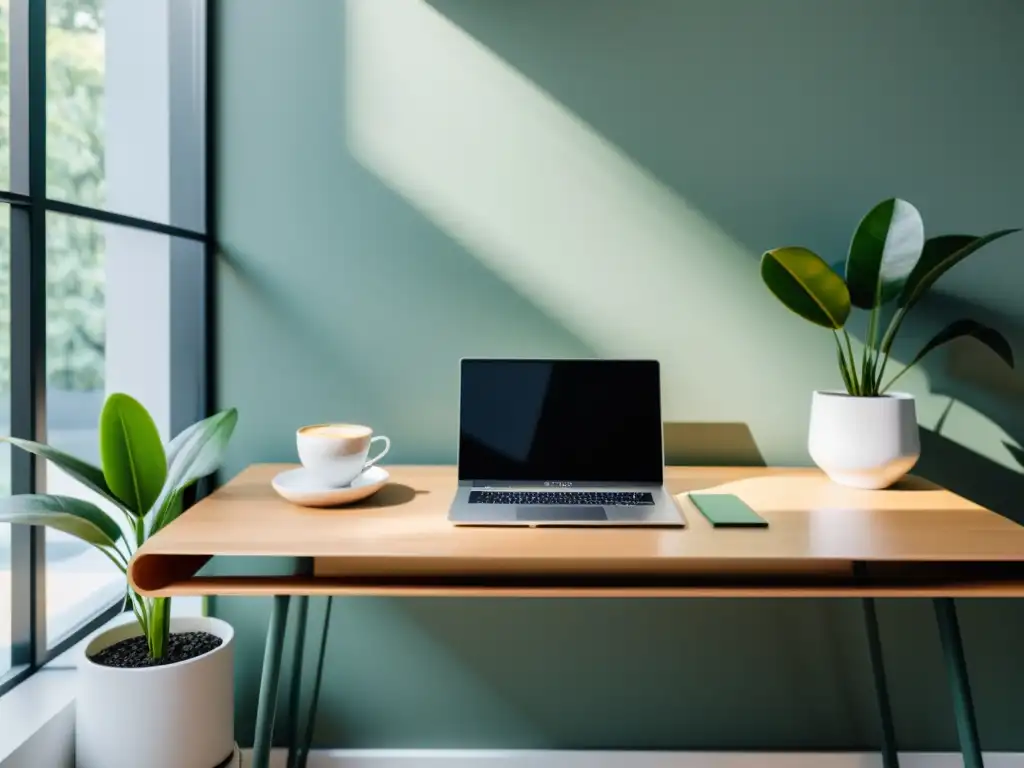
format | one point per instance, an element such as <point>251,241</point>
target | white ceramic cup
<point>336,454</point>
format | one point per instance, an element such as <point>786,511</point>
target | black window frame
<point>190,24</point>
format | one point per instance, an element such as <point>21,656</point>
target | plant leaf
<point>867,377</point>
<point>885,247</point>
<point>168,508</point>
<point>197,452</point>
<point>802,281</point>
<point>847,382</point>
<point>940,254</point>
<point>76,517</point>
<point>134,463</point>
<point>85,473</point>
<point>212,457</point>
<point>990,337</point>
<point>159,628</point>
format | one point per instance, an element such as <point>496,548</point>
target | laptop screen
<point>561,420</point>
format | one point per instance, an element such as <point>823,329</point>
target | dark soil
<point>133,652</point>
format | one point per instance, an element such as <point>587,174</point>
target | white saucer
<point>298,487</point>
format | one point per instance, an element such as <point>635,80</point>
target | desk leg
<point>295,694</point>
<point>307,739</point>
<point>890,758</point>
<point>956,666</point>
<point>268,683</point>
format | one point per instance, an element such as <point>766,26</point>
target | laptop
<point>560,443</point>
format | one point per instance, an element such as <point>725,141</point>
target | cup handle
<point>381,455</point>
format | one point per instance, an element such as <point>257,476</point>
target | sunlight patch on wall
<point>569,220</point>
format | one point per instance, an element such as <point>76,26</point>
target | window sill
<point>38,720</point>
<point>37,717</point>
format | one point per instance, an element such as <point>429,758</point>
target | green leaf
<point>883,252</point>
<point>990,337</point>
<point>85,473</point>
<point>802,281</point>
<point>847,381</point>
<point>168,508</point>
<point>867,377</point>
<point>134,463</point>
<point>197,452</point>
<point>76,517</point>
<point>159,630</point>
<point>940,254</point>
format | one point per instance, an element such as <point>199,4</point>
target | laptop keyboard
<point>577,498</point>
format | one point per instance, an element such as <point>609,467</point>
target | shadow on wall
<point>607,693</point>
<point>971,475</point>
<point>558,212</point>
<point>974,447</point>
<point>695,120</point>
<point>298,322</point>
<point>390,356</point>
<point>711,444</point>
<point>681,88</point>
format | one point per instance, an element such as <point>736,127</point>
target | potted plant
<point>867,435</point>
<point>158,691</point>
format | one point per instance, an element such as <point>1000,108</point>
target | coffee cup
<point>336,454</point>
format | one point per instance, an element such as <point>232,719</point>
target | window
<point>5,97</point>
<point>5,451</point>
<point>6,591</point>
<point>111,134</point>
<point>103,264</point>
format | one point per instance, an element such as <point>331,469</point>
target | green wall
<point>402,183</point>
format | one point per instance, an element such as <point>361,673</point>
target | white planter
<point>864,442</point>
<point>175,716</point>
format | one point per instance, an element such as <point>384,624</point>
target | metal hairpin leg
<point>890,757</point>
<point>307,739</point>
<point>956,666</point>
<point>267,706</point>
<point>295,694</point>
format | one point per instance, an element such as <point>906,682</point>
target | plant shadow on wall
<point>973,445</point>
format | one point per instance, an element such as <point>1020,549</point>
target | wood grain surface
<point>916,539</point>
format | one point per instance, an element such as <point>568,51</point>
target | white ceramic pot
<point>864,442</point>
<point>175,716</point>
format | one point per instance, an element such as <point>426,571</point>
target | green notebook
<point>727,511</point>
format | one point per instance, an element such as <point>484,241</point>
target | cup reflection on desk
<point>336,454</point>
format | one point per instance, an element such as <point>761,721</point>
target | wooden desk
<point>915,540</point>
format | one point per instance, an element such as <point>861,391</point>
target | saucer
<point>299,487</point>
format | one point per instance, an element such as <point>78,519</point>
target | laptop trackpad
<point>560,513</point>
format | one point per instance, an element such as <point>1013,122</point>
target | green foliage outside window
<point>75,161</point>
